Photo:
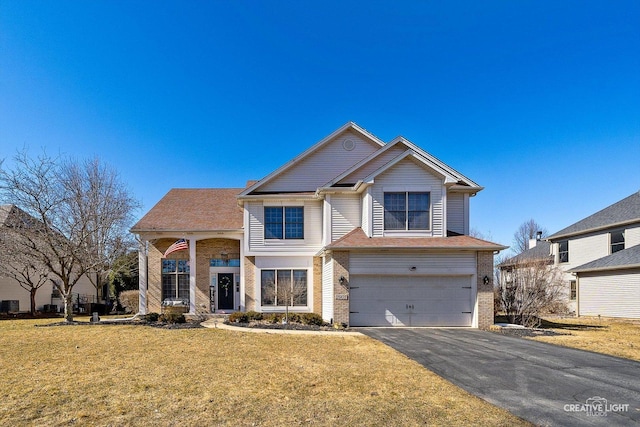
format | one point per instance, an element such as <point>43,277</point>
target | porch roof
<point>356,239</point>
<point>194,209</point>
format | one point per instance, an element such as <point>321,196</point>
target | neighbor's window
<point>283,287</point>
<point>563,250</point>
<point>175,280</point>
<point>574,291</point>
<point>617,241</point>
<point>284,222</point>
<point>406,211</point>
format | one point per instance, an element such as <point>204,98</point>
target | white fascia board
<point>409,153</point>
<point>310,150</point>
<point>447,170</point>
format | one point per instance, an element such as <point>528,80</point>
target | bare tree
<point>102,206</point>
<point>18,265</point>
<point>82,212</point>
<point>530,288</point>
<point>528,230</point>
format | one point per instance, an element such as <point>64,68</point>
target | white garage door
<point>410,301</point>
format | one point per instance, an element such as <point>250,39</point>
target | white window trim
<point>408,189</point>
<point>281,308</point>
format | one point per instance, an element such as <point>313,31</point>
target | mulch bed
<point>527,332</point>
<point>161,325</point>
<point>288,326</point>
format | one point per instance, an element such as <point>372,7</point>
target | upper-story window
<point>563,250</point>
<point>406,210</point>
<point>284,222</point>
<point>617,241</point>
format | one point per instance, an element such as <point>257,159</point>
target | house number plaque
<point>342,296</point>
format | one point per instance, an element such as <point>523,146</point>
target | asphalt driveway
<point>542,383</point>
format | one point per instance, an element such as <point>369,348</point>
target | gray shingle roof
<point>626,258</point>
<point>625,211</point>
<point>540,251</point>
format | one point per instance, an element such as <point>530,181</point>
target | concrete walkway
<point>545,384</point>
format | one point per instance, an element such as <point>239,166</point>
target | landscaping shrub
<point>173,315</point>
<point>312,319</point>
<point>151,317</point>
<point>238,317</point>
<point>129,301</point>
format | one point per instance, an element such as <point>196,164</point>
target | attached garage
<point>411,300</point>
<point>412,289</point>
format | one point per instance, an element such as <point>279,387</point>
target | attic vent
<point>348,144</point>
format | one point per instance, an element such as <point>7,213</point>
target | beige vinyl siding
<point>374,164</point>
<point>610,294</point>
<point>345,214</point>
<point>327,288</point>
<point>10,290</point>
<point>456,213</point>
<point>632,237</point>
<point>312,228</point>
<point>389,263</point>
<point>256,224</point>
<point>322,166</point>
<point>408,174</point>
<point>587,249</point>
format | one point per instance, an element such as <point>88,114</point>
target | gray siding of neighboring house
<point>610,294</point>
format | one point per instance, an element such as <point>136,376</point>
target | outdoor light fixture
<point>485,280</point>
<point>341,280</point>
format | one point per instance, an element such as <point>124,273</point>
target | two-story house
<point>363,232</point>
<point>601,259</point>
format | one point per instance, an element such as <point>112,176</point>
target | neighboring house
<point>601,258</point>
<point>539,254</point>
<point>47,298</point>
<point>362,232</point>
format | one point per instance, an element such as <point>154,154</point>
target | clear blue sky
<point>538,101</point>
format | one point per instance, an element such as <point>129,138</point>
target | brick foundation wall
<point>250,283</point>
<point>341,268</point>
<point>485,292</point>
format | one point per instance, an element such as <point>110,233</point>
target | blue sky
<point>538,101</point>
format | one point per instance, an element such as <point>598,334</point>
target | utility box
<point>9,306</point>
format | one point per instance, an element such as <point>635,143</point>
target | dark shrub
<point>312,319</point>
<point>151,317</point>
<point>238,317</point>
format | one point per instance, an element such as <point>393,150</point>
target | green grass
<point>114,375</point>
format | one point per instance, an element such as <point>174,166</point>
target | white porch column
<point>142,277</point>
<point>192,276</point>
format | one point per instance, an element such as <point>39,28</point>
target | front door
<point>225,291</point>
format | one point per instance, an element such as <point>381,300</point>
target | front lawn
<point>608,336</point>
<point>138,375</point>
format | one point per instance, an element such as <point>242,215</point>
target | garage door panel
<point>410,301</point>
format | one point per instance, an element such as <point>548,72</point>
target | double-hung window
<point>617,241</point>
<point>283,288</point>
<point>563,251</point>
<point>175,280</point>
<point>406,210</point>
<point>284,222</point>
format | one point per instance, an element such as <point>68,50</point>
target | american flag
<point>179,245</point>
